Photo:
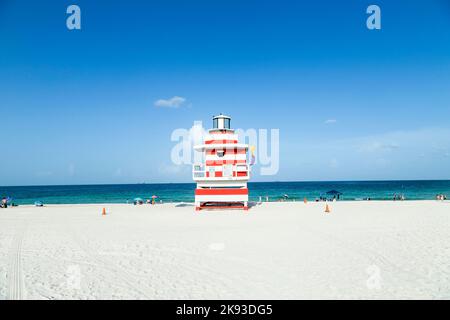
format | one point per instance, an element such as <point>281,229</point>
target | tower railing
<point>238,172</point>
<point>198,171</point>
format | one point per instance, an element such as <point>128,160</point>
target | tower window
<point>220,153</point>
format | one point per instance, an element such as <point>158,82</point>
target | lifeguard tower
<point>222,178</point>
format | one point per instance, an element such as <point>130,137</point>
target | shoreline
<point>250,182</point>
<point>275,191</point>
<point>254,203</point>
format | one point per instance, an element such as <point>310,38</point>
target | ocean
<point>184,192</point>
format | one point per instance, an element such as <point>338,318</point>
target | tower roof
<point>221,122</point>
<point>221,116</point>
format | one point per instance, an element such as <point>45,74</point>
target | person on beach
<point>4,203</point>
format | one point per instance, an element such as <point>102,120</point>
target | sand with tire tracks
<point>370,249</point>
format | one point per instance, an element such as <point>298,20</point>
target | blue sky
<point>350,103</point>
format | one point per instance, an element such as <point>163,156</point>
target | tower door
<point>228,170</point>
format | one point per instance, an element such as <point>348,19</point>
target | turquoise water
<point>177,192</point>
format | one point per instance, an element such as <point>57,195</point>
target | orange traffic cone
<point>327,208</point>
<point>305,200</point>
<point>104,212</point>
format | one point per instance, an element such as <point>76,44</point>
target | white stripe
<point>226,157</point>
<point>202,147</point>
<point>222,136</point>
<point>222,183</point>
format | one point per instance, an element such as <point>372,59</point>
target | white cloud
<point>171,169</point>
<point>330,121</point>
<point>174,102</point>
<point>375,146</point>
<point>440,149</point>
<point>402,154</point>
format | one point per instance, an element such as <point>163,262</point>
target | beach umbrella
<point>334,192</point>
<point>154,197</point>
<point>138,201</point>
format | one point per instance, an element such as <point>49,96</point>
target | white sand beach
<point>360,250</point>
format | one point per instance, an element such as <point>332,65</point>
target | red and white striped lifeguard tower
<point>222,178</point>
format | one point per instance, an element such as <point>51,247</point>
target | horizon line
<point>159,183</point>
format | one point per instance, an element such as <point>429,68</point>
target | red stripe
<point>227,151</point>
<point>220,141</point>
<point>222,162</point>
<point>218,131</point>
<point>205,192</point>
